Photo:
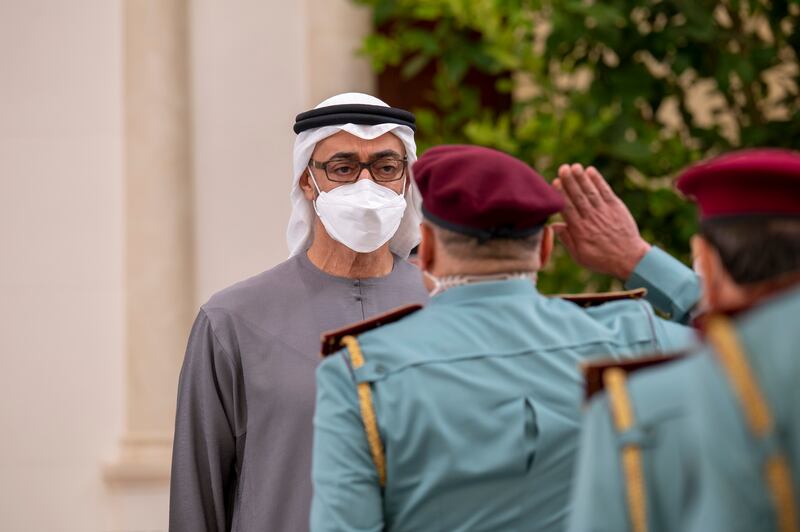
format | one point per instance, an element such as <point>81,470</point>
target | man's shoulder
<point>243,294</point>
<point>616,318</point>
<point>623,317</point>
<point>425,325</point>
<point>658,398</point>
<point>408,278</point>
<point>662,388</point>
<point>596,299</point>
<point>333,340</point>
<point>621,309</point>
<point>597,372</point>
<point>660,394</point>
<point>768,328</point>
<point>406,268</point>
<point>352,348</point>
<point>390,340</point>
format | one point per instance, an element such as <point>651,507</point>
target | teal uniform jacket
<point>703,468</point>
<point>658,398</point>
<point>672,288</point>
<point>732,493</point>
<point>478,403</point>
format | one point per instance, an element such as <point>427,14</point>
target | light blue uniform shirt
<point>702,467</point>
<point>661,424</point>
<point>672,288</point>
<point>732,494</point>
<point>478,401</point>
<point>599,498</point>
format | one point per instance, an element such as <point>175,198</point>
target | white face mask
<point>362,215</point>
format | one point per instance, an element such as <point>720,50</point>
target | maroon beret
<point>746,182</point>
<point>483,192</point>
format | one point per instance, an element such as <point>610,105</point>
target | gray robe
<point>243,433</point>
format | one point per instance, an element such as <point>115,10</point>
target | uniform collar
<point>469,292</point>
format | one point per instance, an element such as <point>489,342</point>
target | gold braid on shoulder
<point>777,474</point>
<point>367,410</point>
<point>622,415</point>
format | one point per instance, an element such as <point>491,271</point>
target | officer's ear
<point>720,292</point>
<point>426,253</point>
<point>700,265</point>
<point>546,246</point>
<point>699,256</point>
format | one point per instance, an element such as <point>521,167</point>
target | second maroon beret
<point>750,182</point>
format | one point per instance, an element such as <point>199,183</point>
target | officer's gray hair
<point>465,247</point>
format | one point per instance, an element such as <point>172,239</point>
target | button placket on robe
<point>358,295</point>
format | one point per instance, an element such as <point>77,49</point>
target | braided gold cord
<point>757,413</point>
<point>367,410</point>
<point>622,414</point>
<point>723,338</point>
<point>779,480</point>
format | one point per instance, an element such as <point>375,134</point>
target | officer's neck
<point>449,266</point>
<point>726,296</point>
<point>334,258</point>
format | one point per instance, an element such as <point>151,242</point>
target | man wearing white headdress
<point>243,432</point>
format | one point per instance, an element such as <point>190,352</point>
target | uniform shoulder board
<point>332,340</point>
<point>595,299</point>
<point>593,371</point>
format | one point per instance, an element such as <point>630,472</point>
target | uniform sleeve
<point>672,288</point>
<point>598,498</point>
<point>204,448</point>
<point>347,493</point>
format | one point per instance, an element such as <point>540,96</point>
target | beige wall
<point>61,261</point>
<point>83,441</point>
<point>247,85</point>
<point>255,65</point>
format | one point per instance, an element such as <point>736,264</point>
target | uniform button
<point>358,298</point>
<point>379,369</point>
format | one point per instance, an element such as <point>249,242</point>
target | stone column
<point>335,32</point>
<point>159,231</point>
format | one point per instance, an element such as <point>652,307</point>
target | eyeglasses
<point>382,170</point>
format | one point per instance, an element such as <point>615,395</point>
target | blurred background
<point>145,161</point>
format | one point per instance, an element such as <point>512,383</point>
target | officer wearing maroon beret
<point>712,441</point>
<point>464,415</point>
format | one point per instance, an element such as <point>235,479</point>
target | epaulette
<point>595,299</point>
<point>332,340</point>
<point>593,371</point>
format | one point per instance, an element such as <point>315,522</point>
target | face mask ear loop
<point>313,179</point>
<point>319,192</point>
<point>437,284</point>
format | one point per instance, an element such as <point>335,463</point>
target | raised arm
<point>601,235</point>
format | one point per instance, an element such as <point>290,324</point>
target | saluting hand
<point>599,232</point>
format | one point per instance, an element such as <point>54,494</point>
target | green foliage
<point>637,88</point>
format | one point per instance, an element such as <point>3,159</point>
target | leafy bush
<point>637,88</point>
